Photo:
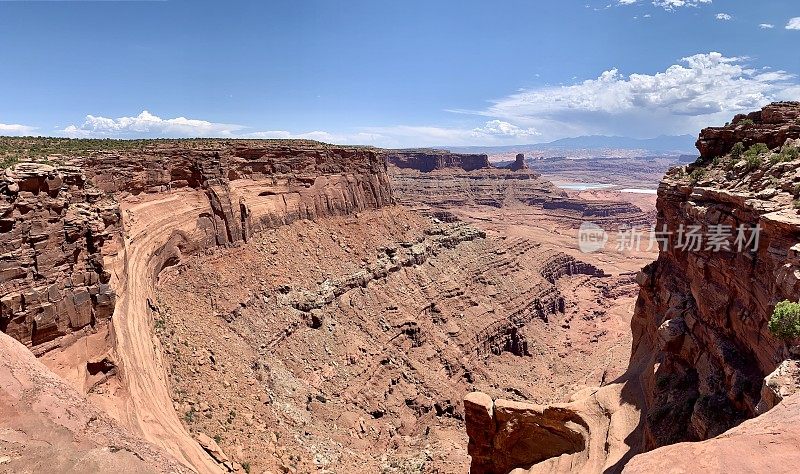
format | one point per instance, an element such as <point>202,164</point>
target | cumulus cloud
<point>702,89</point>
<point>723,17</point>
<point>148,125</point>
<point>794,24</point>
<point>498,128</point>
<point>671,5</point>
<point>14,129</point>
<point>766,26</point>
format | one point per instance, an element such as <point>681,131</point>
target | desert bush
<point>696,175</point>
<point>746,122</point>
<point>753,155</point>
<point>737,150</point>
<point>785,321</point>
<point>788,153</point>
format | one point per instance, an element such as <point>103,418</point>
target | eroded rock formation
<point>55,225</point>
<point>701,320</point>
<point>772,125</point>
<point>107,223</point>
<point>431,160</point>
<point>703,360</point>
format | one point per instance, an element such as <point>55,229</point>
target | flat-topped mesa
<point>431,160</point>
<point>772,125</point>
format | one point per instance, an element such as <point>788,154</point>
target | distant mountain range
<point>672,144</point>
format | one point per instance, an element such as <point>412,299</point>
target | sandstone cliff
<point>701,319</point>
<point>703,360</point>
<point>54,227</point>
<point>87,239</point>
<point>430,160</point>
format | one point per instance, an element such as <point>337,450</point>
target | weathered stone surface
<point>55,230</point>
<point>773,125</point>
<point>431,160</point>
<point>59,223</point>
<point>519,163</point>
<point>506,435</point>
<point>702,314</point>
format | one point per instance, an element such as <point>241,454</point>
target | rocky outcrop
<point>703,362</point>
<point>505,435</point>
<point>55,227</point>
<point>701,319</point>
<point>426,161</point>
<point>49,427</point>
<point>772,125</point>
<point>519,163</point>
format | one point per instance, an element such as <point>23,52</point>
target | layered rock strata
<point>703,359</point>
<point>430,160</point>
<point>108,223</point>
<point>55,225</point>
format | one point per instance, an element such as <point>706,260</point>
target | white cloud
<point>723,17</point>
<point>498,128</point>
<point>358,138</point>
<point>703,89</point>
<point>14,129</point>
<point>671,5</point>
<point>794,24</point>
<point>766,26</point>
<point>627,2</point>
<point>148,125</point>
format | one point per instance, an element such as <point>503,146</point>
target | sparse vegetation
<point>697,175</point>
<point>753,155</point>
<point>189,416</point>
<point>9,161</point>
<point>746,122</point>
<point>246,467</point>
<point>785,321</point>
<point>737,151</point>
<point>788,153</point>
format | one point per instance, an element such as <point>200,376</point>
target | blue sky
<point>392,73</point>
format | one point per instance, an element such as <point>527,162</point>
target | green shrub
<point>737,150</point>
<point>785,321</point>
<point>696,175</point>
<point>746,122</point>
<point>788,153</point>
<point>753,155</point>
<point>9,161</point>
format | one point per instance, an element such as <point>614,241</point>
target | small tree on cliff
<point>785,321</point>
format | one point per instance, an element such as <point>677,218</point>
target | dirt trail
<point>153,227</point>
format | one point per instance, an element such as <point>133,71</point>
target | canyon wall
<point>704,365</point>
<point>702,315</point>
<point>54,225</point>
<point>57,220</point>
<point>86,240</point>
<point>430,160</point>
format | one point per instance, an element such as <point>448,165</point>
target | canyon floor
<point>287,379</point>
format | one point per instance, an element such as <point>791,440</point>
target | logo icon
<point>591,237</point>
